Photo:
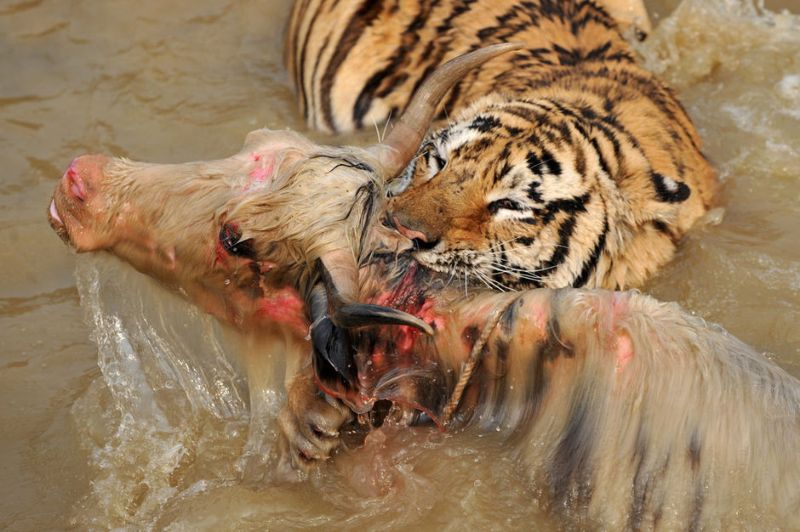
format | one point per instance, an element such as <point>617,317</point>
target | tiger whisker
<point>483,280</point>
<point>447,117</point>
<point>491,283</point>
<point>523,277</point>
<point>520,269</point>
<point>494,265</point>
<point>502,243</point>
<point>377,131</point>
<point>542,163</point>
<point>520,274</point>
<point>452,275</point>
<point>386,125</point>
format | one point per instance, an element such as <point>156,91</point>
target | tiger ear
<point>669,190</point>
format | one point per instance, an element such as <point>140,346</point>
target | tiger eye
<point>504,203</point>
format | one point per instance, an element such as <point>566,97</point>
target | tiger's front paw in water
<point>310,425</point>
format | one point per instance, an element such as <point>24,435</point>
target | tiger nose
<point>422,239</point>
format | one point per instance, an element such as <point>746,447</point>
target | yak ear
<point>339,273</point>
<point>271,150</point>
<point>272,140</point>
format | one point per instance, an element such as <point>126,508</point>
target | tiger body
<point>565,163</point>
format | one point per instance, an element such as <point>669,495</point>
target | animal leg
<point>309,423</point>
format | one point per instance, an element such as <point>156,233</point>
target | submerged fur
<point>625,412</point>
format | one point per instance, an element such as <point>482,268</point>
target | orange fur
<point>565,163</point>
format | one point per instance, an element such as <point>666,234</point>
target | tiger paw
<point>310,424</point>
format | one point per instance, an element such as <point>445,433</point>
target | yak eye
<point>230,238</point>
<point>504,203</point>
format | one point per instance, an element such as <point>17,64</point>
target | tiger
<point>565,163</point>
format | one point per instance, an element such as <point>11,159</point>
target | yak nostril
<point>75,184</point>
<point>85,173</point>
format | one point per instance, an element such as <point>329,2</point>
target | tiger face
<point>568,163</point>
<point>516,194</point>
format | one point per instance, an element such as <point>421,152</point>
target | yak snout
<point>84,176</point>
<point>76,202</point>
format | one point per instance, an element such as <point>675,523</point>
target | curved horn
<point>340,276</point>
<point>402,143</point>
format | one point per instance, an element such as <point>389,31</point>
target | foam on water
<point>736,67</point>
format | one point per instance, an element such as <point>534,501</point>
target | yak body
<point>624,411</point>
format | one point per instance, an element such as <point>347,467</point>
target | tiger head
<point>522,193</point>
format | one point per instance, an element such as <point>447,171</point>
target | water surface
<point>157,438</point>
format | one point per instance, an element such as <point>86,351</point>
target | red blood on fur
<point>284,306</point>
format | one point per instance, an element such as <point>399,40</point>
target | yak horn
<point>404,140</point>
<point>339,273</point>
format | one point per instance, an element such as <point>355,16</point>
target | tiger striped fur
<point>565,163</point>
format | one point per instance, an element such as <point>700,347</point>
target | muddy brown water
<point>158,438</point>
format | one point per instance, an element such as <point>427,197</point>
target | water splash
<point>167,390</point>
<point>170,443</point>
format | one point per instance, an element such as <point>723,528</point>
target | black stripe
<point>590,265</point>
<point>603,125</point>
<point>443,45</point>
<point>520,111</point>
<point>300,61</point>
<point>568,56</point>
<point>392,71</point>
<point>484,124</point>
<point>509,317</point>
<point>645,84</point>
<point>590,12</point>
<point>570,205</point>
<point>562,250</point>
<point>533,192</point>
<point>498,383</point>
<point>362,18</point>
<point>601,158</point>
<point>496,275</point>
<point>570,470</point>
